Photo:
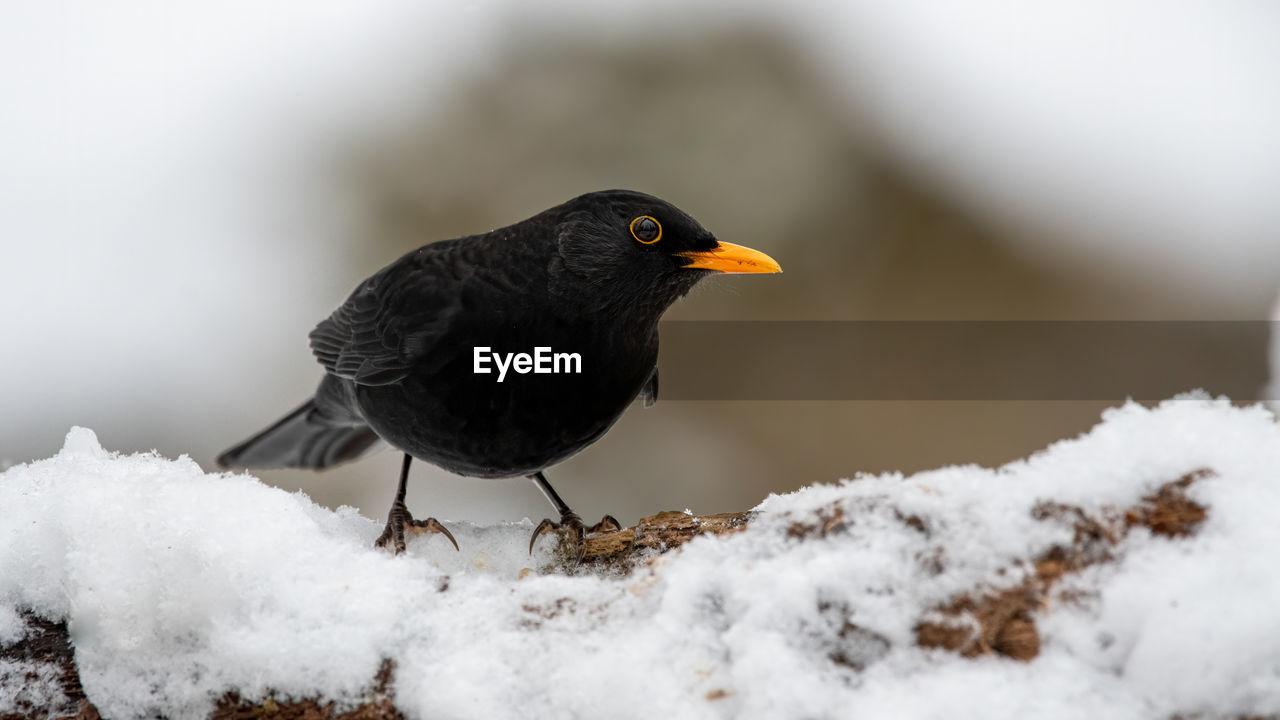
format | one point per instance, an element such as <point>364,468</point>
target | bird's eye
<point>646,230</point>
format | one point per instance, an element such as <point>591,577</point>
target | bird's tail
<point>301,439</point>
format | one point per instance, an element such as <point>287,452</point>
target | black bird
<point>588,279</point>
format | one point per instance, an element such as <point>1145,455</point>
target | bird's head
<point>628,249</point>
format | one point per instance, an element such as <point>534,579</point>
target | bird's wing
<point>389,324</point>
<point>650,390</point>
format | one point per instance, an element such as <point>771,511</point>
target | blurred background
<point>185,190</point>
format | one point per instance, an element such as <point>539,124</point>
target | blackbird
<point>500,354</point>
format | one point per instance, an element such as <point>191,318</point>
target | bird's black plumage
<point>590,278</point>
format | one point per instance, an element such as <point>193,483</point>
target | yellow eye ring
<point>646,230</point>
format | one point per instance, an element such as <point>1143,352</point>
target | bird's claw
<point>573,524</point>
<point>399,519</point>
<point>433,525</point>
<point>390,537</point>
<point>608,523</point>
<point>569,521</point>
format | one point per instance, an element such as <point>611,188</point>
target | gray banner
<point>961,360</point>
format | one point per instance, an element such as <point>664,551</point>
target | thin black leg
<point>552,496</point>
<point>399,518</point>
<point>404,478</point>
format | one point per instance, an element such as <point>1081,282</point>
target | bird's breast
<point>509,398</point>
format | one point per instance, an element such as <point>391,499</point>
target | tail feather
<point>301,439</point>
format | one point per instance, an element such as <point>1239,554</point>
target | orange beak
<point>730,258</point>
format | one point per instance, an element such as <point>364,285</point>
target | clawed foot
<point>398,519</point>
<point>572,523</point>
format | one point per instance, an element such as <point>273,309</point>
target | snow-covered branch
<point>1127,572</point>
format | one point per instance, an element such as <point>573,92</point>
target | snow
<point>32,685</point>
<point>180,585</point>
<point>11,626</point>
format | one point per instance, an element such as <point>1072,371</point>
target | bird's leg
<point>569,520</point>
<point>399,518</point>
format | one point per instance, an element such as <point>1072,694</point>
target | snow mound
<point>1129,572</point>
